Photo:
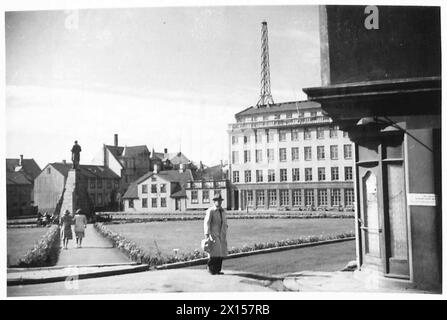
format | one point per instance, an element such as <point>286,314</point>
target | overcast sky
<point>165,77</point>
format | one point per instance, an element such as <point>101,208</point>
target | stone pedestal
<point>75,194</point>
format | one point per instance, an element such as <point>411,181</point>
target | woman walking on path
<point>215,229</point>
<point>80,222</point>
<point>66,222</point>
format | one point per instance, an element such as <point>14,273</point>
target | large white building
<point>289,156</point>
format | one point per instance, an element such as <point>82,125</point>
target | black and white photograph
<point>269,150</point>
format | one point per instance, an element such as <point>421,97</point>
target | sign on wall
<point>422,199</point>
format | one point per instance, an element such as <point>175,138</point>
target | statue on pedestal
<point>76,155</point>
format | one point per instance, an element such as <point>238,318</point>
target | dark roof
<point>99,171</point>
<point>210,173</point>
<point>177,158</point>
<point>144,177</point>
<point>179,180</point>
<point>135,151</point>
<point>18,177</point>
<point>90,171</point>
<point>179,194</point>
<point>157,155</point>
<point>61,167</point>
<point>128,152</point>
<point>29,166</point>
<point>284,106</point>
<point>176,176</point>
<point>132,191</point>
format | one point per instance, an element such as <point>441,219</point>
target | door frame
<point>374,168</point>
<point>382,263</point>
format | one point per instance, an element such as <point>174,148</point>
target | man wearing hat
<point>80,222</point>
<point>215,229</point>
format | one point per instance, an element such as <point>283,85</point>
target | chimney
<point>21,160</point>
<point>64,161</point>
<point>116,140</point>
<point>166,150</point>
<point>155,168</point>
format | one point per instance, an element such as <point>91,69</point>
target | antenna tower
<point>266,96</point>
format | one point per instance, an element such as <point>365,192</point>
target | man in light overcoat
<point>215,227</point>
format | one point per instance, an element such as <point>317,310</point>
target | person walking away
<point>66,222</point>
<point>215,228</point>
<point>80,223</point>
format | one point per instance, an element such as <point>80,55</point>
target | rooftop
<point>92,171</point>
<point>176,177</point>
<point>17,178</point>
<point>279,107</point>
<point>28,166</point>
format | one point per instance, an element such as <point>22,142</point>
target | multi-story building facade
<point>289,156</point>
<point>20,175</point>
<point>99,186</point>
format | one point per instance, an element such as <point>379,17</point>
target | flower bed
<point>45,252</point>
<point>137,218</point>
<point>137,254</point>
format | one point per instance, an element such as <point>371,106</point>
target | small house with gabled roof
<point>158,191</point>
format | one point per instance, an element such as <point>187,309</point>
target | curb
<point>25,281</point>
<point>249,253</point>
<point>132,263</point>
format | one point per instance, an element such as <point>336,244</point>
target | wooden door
<point>370,213</point>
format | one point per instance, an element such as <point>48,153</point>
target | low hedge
<point>137,254</point>
<point>45,252</point>
<point>122,218</point>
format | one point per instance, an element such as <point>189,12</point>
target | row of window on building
<point>283,175</point>
<point>205,196</point>
<point>206,184</point>
<point>283,135</point>
<point>97,199</point>
<point>98,183</point>
<point>295,154</point>
<point>154,189</point>
<point>277,116</point>
<point>296,197</point>
<point>155,202</point>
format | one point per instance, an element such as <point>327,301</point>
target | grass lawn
<point>328,257</point>
<point>20,240</point>
<point>186,235</point>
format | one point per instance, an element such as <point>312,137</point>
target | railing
<point>279,122</point>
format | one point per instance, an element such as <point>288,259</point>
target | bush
<point>45,253</point>
<point>141,218</point>
<point>137,254</point>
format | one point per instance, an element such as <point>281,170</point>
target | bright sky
<point>164,77</point>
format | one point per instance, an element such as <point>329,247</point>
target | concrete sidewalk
<point>175,280</point>
<point>195,280</point>
<point>96,250</point>
<point>25,276</point>
<point>339,281</point>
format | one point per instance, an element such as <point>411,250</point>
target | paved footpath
<point>95,250</point>
<point>164,281</point>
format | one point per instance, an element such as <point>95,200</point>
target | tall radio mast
<point>266,96</point>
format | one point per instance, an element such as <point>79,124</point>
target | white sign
<point>422,199</point>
